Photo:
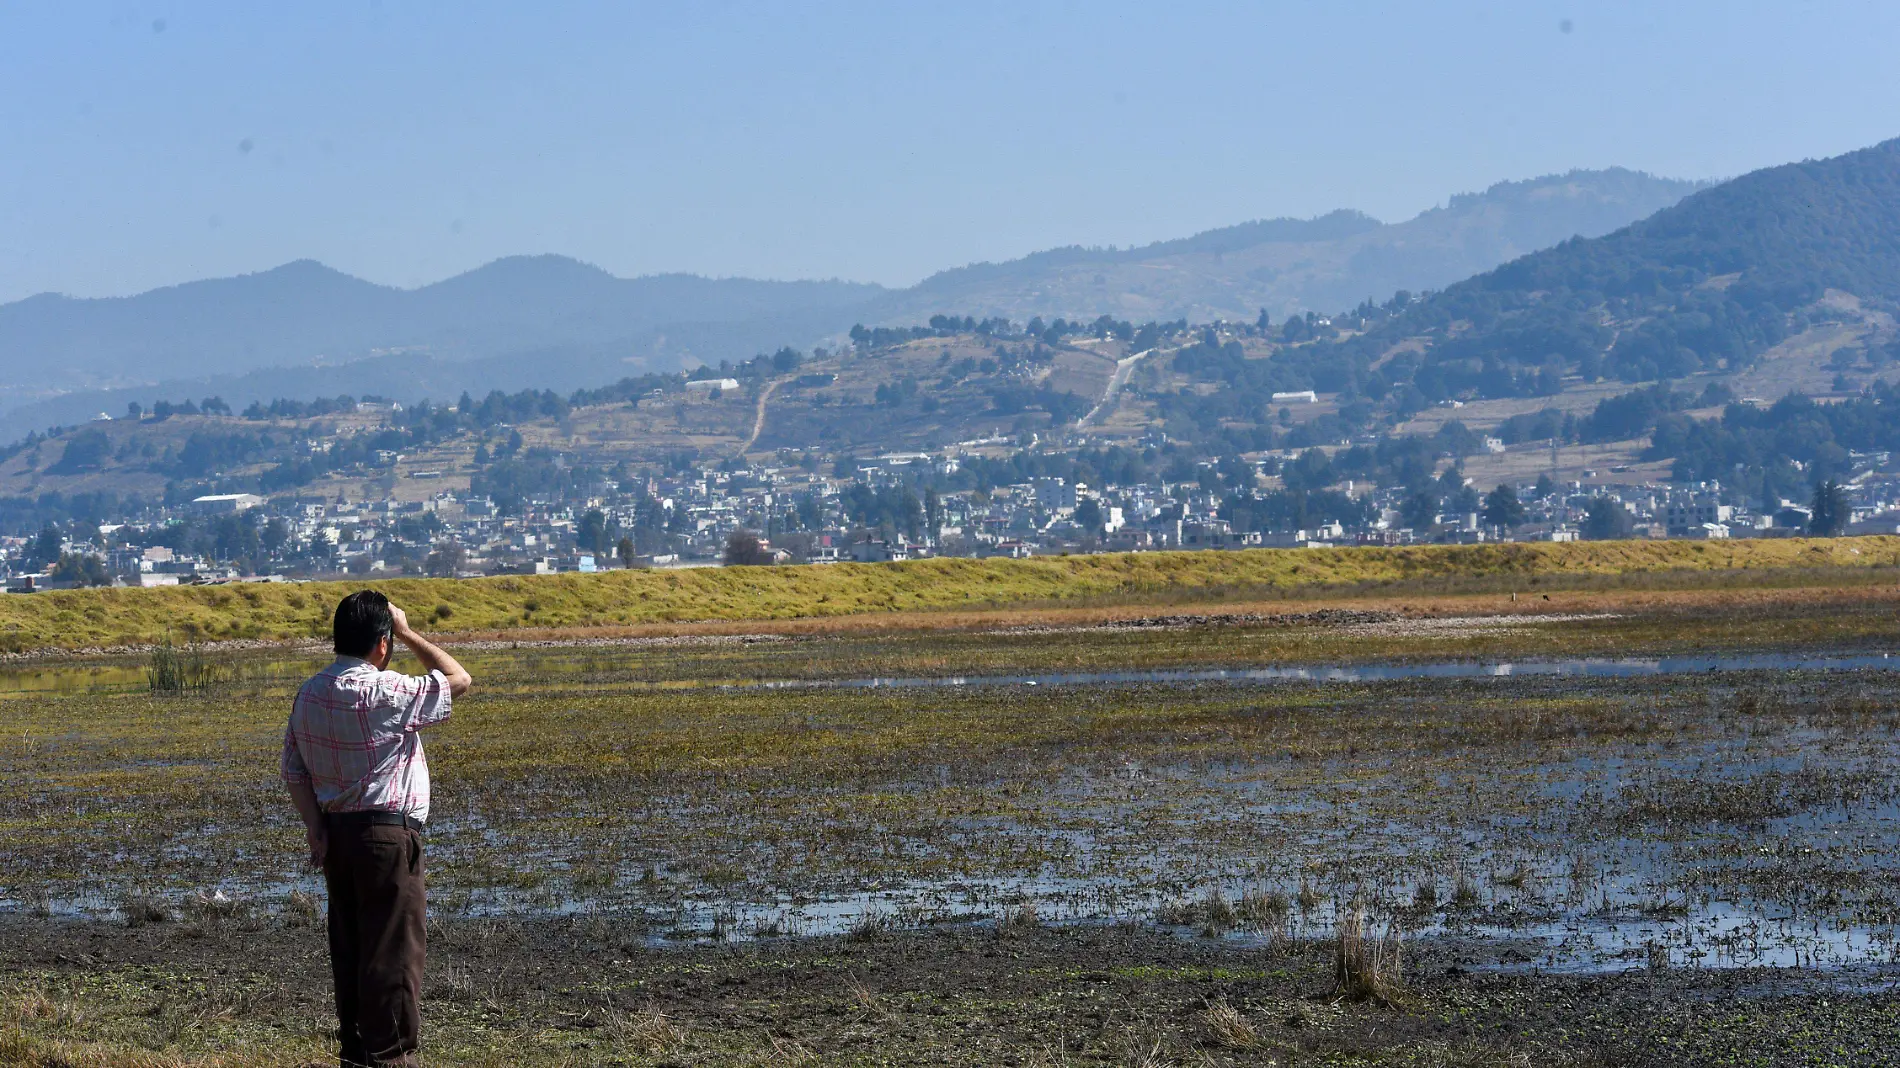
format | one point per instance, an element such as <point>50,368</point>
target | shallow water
<point>1586,667</point>
<point>1636,896</point>
<point>120,678</point>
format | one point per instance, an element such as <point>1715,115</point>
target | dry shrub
<point>1148,1057</point>
<point>1366,968</point>
<point>1228,1026</point>
<point>141,909</point>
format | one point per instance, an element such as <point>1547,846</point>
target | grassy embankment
<point>90,618</point>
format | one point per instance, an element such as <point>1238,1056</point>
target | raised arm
<point>431,655</point>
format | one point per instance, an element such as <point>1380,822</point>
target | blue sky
<point>145,144</point>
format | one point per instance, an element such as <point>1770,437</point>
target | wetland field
<point>1571,825</point>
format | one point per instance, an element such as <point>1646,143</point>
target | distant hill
<point>1780,260</point>
<point>304,313</point>
<point>1287,266</point>
<point>304,329</point>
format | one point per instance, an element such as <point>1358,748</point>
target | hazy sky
<point>144,144</point>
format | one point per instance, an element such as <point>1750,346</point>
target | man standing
<point>353,763</point>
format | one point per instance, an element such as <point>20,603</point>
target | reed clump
<point>174,670</point>
<point>1366,967</point>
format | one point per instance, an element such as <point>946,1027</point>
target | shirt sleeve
<point>418,700</point>
<point>290,765</point>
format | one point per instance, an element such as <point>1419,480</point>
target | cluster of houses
<point>795,515</point>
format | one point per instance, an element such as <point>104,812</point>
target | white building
<point>1056,495</point>
<point>1684,515</point>
<point>709,384</point>
<point>225,503</point>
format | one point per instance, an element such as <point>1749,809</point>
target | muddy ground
<point>591,991</point>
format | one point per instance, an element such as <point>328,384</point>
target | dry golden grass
<point>1228,1026</point>
<point>20,1050</point>
<point>625,601</point>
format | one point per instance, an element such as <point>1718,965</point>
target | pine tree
<point>1829,510</point>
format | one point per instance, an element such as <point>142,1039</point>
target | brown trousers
<point>376,940</point>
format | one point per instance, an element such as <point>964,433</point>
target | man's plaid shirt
<point>352,737</point>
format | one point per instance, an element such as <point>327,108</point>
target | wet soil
<point>587,990</point>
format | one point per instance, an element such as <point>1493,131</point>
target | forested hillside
<point>1706,285</point>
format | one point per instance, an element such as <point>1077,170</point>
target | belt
<point>373,819</point>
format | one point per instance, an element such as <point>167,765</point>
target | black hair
<point>362,620</point>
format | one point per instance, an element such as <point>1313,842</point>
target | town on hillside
<point>538,484</point>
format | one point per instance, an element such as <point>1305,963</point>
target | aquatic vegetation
<point>174,671</point>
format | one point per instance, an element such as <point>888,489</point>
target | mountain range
<point>547,321</point>
<point>1287,266</point>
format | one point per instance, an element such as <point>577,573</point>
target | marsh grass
<point>175,671</point>
<point>870,924</point>
<point>1264,909</point>
<point>1465,894</point>
<point>1228,1026</point>
<point>709,806</point>
<point>1366,967</point>
<point>740,799</point>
